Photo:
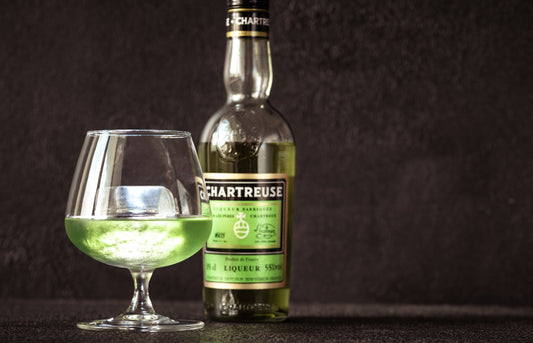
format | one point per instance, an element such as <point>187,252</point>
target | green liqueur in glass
<point>139,244</point>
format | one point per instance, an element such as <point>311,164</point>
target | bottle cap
<point>259,4</point>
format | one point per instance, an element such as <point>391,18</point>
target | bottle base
<point>225,305</point>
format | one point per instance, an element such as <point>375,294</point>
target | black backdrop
<point>413,123</point>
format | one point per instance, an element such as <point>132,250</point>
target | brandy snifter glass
<point>138,201</point>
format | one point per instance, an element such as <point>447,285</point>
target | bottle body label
<point>248,243</point>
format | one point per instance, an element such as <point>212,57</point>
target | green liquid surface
<point>139,244</point>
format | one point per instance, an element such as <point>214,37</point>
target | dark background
<point>413,122</point>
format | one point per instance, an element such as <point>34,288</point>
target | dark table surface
<point>35,320</point>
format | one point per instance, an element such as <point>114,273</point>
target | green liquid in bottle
<point>252,304</point>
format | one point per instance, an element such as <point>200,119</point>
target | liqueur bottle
<point>248,157</point>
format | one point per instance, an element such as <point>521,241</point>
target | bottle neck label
<point>247,22</point>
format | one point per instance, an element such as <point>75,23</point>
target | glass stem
<point>141,303</point>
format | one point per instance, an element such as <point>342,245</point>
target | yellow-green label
<point>247,246</point>
<point>246,225</point>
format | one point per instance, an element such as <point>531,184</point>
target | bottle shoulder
<point>247,121</point>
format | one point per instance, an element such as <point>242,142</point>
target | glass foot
<point>142,323</point>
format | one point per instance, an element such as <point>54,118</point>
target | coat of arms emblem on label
<point>241,227</point>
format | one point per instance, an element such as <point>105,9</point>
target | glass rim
<point>140,132</point>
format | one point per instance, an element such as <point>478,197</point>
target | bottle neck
<point>248,66</point>
<point>247,69</point>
